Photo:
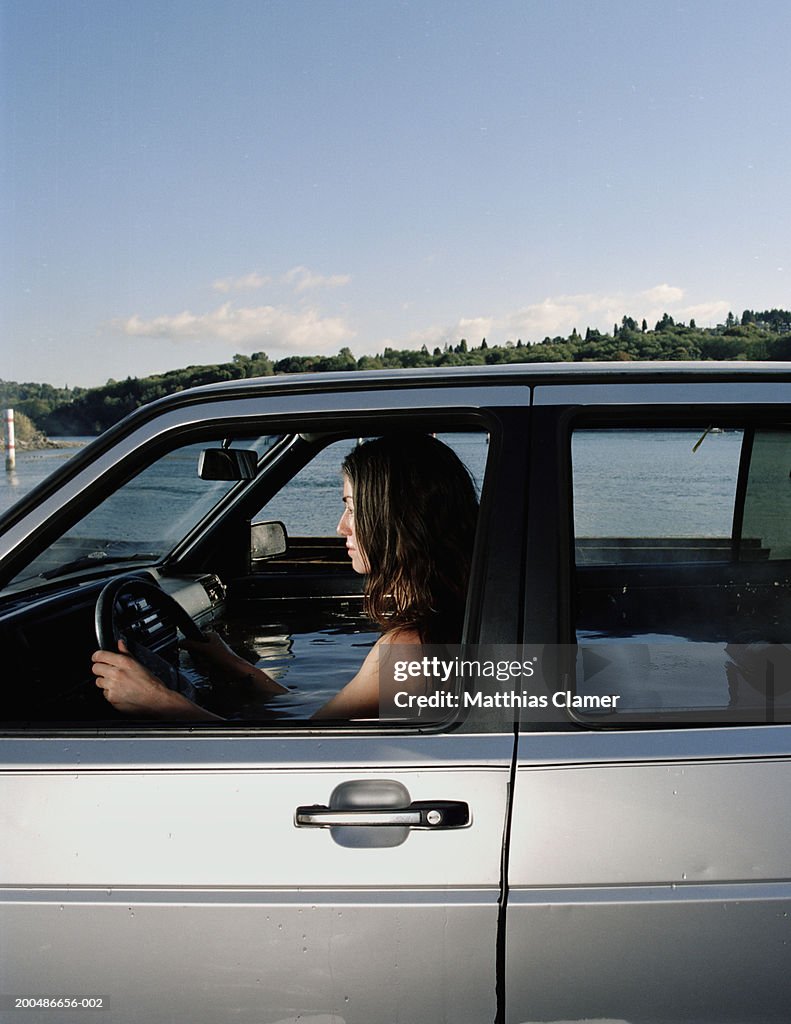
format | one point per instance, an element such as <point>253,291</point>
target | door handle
<point>425,814</point>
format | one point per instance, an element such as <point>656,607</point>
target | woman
<point>409,521</point>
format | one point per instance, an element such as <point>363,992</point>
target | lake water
<point>654,483</point>
<point>32,468</point>
<point>626,483</point>
<point>313,659</point>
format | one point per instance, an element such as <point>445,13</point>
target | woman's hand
<point>133,690</point>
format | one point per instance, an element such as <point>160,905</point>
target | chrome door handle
<point>426,814</point>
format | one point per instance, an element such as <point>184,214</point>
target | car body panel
<point>651,886</point>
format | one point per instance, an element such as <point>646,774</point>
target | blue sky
<point>184,180</point>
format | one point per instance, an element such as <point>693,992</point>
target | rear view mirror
<point>266,541</point>
<point>227,464</point>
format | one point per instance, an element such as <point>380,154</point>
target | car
<point>589,823</point>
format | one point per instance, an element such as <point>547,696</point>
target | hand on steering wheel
<point>133,609</point>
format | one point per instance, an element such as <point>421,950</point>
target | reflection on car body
<point>459,862</point>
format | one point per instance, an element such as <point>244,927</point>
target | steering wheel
<point>145,617</point>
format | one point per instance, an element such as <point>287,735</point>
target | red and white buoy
<point>10,446</point>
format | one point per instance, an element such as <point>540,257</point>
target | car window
<point>653,494</point>
<point>682,571</point>
<point>143,518</point>
<point>298,615</point>
<point>767,505</point>
<point>310,504</point>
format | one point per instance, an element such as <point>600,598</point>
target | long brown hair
<point>415,511</point>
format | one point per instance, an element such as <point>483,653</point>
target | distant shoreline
<point>39,444</point>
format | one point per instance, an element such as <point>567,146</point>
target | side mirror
<point>266,541</point>
<point>227,464</point>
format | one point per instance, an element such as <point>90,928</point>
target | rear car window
<point>682,571</point>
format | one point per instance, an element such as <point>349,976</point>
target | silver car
<point>600,833</point>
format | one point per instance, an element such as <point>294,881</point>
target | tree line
<point>81,411</point>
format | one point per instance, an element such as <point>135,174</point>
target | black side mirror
<point>227,464</point>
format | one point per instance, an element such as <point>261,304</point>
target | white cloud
<point>248,282</point>
<point>663,293</point>
<point>272,328</point>
<point>302,279</point>
<point>281,330</point>
<point>559,315</point>
<point>705,314</point>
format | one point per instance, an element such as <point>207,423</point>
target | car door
<point>174,874</point>
<point>171,879</point>
<point>650,873</point>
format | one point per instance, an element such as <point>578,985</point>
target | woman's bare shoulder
<point>399,635</point>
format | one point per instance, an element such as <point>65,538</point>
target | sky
<point>184,180</point>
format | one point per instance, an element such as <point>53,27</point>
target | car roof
<point>531,374</point>
<point>546,376</point>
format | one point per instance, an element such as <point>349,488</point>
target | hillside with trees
<point>80,411</point>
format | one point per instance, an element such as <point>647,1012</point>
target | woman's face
<point>346,529</point>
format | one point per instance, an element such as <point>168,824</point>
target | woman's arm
<point>219,655</point>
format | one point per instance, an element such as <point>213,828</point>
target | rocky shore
<point>28,438</point>
<point>40,442</point>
